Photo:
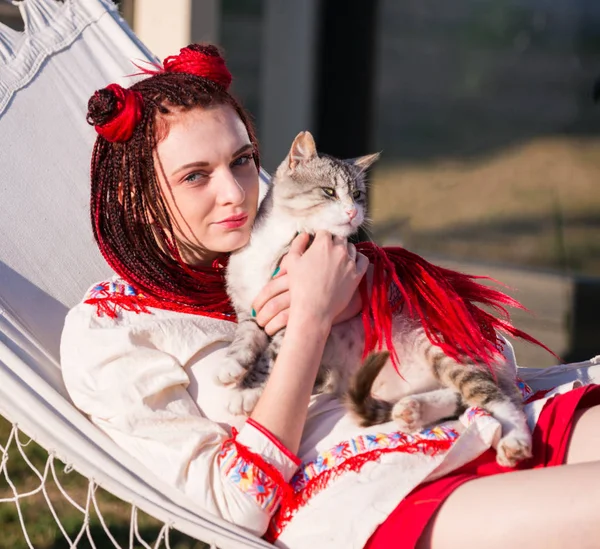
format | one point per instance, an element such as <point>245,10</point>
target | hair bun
<point>204,60</point>
<point>115,112</point>
<point>102,107</point>
<point>206,49</point>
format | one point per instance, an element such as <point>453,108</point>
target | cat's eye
<point>329,191</point>
<point>357,194</point>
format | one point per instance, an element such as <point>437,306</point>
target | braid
<point>130,218</point>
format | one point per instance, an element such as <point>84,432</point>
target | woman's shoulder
<point>114,313</point>
<point>111,300</point>
<point>110,303</point>
<point>115,302</point>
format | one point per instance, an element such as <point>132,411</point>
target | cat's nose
<point>352,213</point>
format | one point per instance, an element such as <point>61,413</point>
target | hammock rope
<point>15,448</point>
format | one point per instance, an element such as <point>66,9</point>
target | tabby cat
<point>310,192</point>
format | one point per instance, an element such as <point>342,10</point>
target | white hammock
<point>48,260</point>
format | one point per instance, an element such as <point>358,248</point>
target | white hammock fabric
<point>48,260</point>
<point>47,255</point>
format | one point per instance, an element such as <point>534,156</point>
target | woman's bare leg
<point>584,445</point>
<point>544,508</point>
<point>552,508</point>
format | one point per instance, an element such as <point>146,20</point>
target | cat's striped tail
<point>368,409</point>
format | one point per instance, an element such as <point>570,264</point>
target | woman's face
<point>206,171</point>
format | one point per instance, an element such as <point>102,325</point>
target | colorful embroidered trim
<point>352,455</point>
<point>472,413</point>
<point>111,296</point>
<point>525,390</point>
<point>252,474</point>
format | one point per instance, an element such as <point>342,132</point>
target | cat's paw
<point>243,401</point>
<point>243,355</point>
<point>407,415</point>
<point>513,448</point>
<point>230,372</point>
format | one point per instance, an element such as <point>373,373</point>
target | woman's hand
<point>321,280</point>
<point>324,277</point>
<point>272,305</point>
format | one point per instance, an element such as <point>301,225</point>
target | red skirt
<point>550,439</point>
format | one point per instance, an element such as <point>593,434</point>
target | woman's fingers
<point>362,264</point>
<point>340,241</point>
<point>277,322</point>
<point>299,245</point>
<point>272,308</point>
<point>352,251</point>
<point>273,288</point>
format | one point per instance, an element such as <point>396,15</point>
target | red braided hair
<point>125,193</point>
<point>115,112</point>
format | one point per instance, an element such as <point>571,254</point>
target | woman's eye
<point>329,192</point>
<point>195,178</point>
<point>243,160</point>
<point>357,194</point>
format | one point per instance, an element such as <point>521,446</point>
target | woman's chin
<point>232,242</point>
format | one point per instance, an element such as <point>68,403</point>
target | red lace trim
<point>290,504</point>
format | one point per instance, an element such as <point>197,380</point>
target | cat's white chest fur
<point>253,266</point>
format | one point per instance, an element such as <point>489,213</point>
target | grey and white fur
<point>311,192</point>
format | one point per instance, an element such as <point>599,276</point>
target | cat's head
<point>320,191</point>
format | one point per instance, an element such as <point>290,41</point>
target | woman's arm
<point>322,281</point>
<point>120,373</point>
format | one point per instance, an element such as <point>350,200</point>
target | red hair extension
<point>444,301</point>
<point>197,59</point>
<point>201,61</point>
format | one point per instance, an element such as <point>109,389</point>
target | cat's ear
<point>303,149</point>
<point>364,162</point>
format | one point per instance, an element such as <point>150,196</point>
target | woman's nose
<point>230,191</point>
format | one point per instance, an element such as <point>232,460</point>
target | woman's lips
<point>234,222</point>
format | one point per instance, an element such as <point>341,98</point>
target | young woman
<point>174,189</point>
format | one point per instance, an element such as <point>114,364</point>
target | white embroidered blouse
<point>147,380</point>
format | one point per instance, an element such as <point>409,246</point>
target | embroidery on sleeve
<point>109,297</point>
<point>113,296</point>
<point>253,475</point>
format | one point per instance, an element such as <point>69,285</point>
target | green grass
<point>41,527</point>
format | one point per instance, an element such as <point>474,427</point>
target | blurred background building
<point>482,110</point>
